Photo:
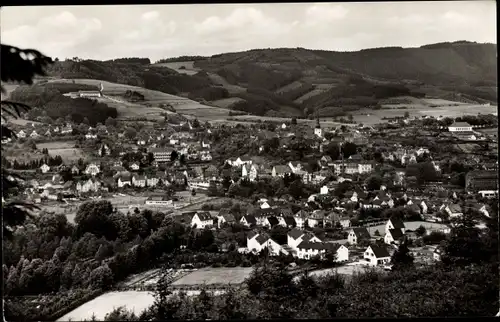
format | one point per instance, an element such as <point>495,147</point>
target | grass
<point>188,69</point>
<point>208,276</point>
<point>226,102</point>
<point>66,149</point>
<point>106,303</point>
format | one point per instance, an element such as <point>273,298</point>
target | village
<point>383,177</point>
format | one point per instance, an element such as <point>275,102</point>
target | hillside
<point>301,82</point>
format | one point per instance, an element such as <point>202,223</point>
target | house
<point>393,236</point>
<point>57,179</point>
<point>205,156</point>
<point>306,250</point>
<point>323,190</point>
<point>92,169</point>
<point>139,181</point>
<point>161,155</point>
<point>201,220</point>
<point>21,134</point>
<point>159,201</point>
<point>316,218</point>
<point>261,241</point>
<point>152,181</point>
<point>358,234</point>
<point>135,166</point>
<point>68,129</point>
<point>438,253</point>
<point>90,136</point>
<point>376,255</point>
<point>124,180</point>
<point>89,185</point>
<point>104,150</point>
<point>296,236</point>
<point>75,170</point>
<point>281,170</point>
<point>345,222</point>
<point>453,210</point>
<point>249,171</point>
<point>34,135</point>
<point>286,221</point>
<point>395,223</point>
<point>225,217</point>
<point>270,221</point>
<point>237,162</point>
<point>248,220</point>
<point>300,218</point>
<point>460,127</point>
<point>424,207</point>
<point>295,166</point>
<point>45,168</point>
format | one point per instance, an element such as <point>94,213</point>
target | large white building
<point>460,127</point>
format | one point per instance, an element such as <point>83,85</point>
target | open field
<point>491,131</point>
<point>325,122</point>
<point>232,89</point>
<point>370,116</point>
<point>208,276</point>
<point>188,70</point>
<point>312,93</point>
<point>66,149</point>
<point>106,303</point>
<point>289,87</point>
<point>226,102</point>
<point>410,225</point>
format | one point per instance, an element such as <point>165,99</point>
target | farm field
<point>308,95</point>
<point>106,303</point>
<point>189,67</point>
<point>491,131</point>
<point>66,149</point>
<point>232,89</point>
<point>410,225</point>
<point>226,102</point>
<point>370,116</point>
<point>325,122</point>
<point>208,276</point>
<point>289,87</point>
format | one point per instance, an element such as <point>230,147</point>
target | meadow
<point>66,149</point>
<point>211,276</point>
<point>188,69</point>
<point>410,225</point>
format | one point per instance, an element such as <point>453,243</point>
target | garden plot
<point>136,301</point>
<point>66,149</point>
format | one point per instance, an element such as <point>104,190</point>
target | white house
<point>248,220</point>
<point>90,136</point>
<point>134,166</point>
<point>424,207</point>
<point>318,131</point>
<point>453,210</point>
<point>393,236</point>
<point>307,250</point>
<point>92,169</point>
<point>260,241</point>
<point>249,171</point>
<point>376,255</point>
<point>300,218</point>
<point>239,161</point>
<point>281,170</point>
<point>139,181</point>
<point>297,236</point>
<point>460,127</point>
<point>21,134</point>
<point>45,168</point>
<point>202,220</point>
<point>89,185</point>
<point>295,166</point>
<point>124,181</point>
<point>323,190</point>
<point>34,135</point>
<point>358,234</point>
<point>395,223</point>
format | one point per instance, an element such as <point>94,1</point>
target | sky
<point>162,31</point>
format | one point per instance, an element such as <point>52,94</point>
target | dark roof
<point>273,220</point>
<point>361,232</point>
<point>379,251</point>
<point>262,238</point>
<point>282,169</point>
<point>252,234</point>
<point>250,219</point>
<point>295,233</point>
<point>301,213</point>
<point>397,222</point>
<point>396,233</point>
<point>308,236</point>
<point>290,221</point>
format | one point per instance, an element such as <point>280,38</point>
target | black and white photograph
<point>249,161</point>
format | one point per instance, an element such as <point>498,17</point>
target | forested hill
<point>298,81</point>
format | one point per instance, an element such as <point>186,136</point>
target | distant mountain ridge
<point>303,82</point>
